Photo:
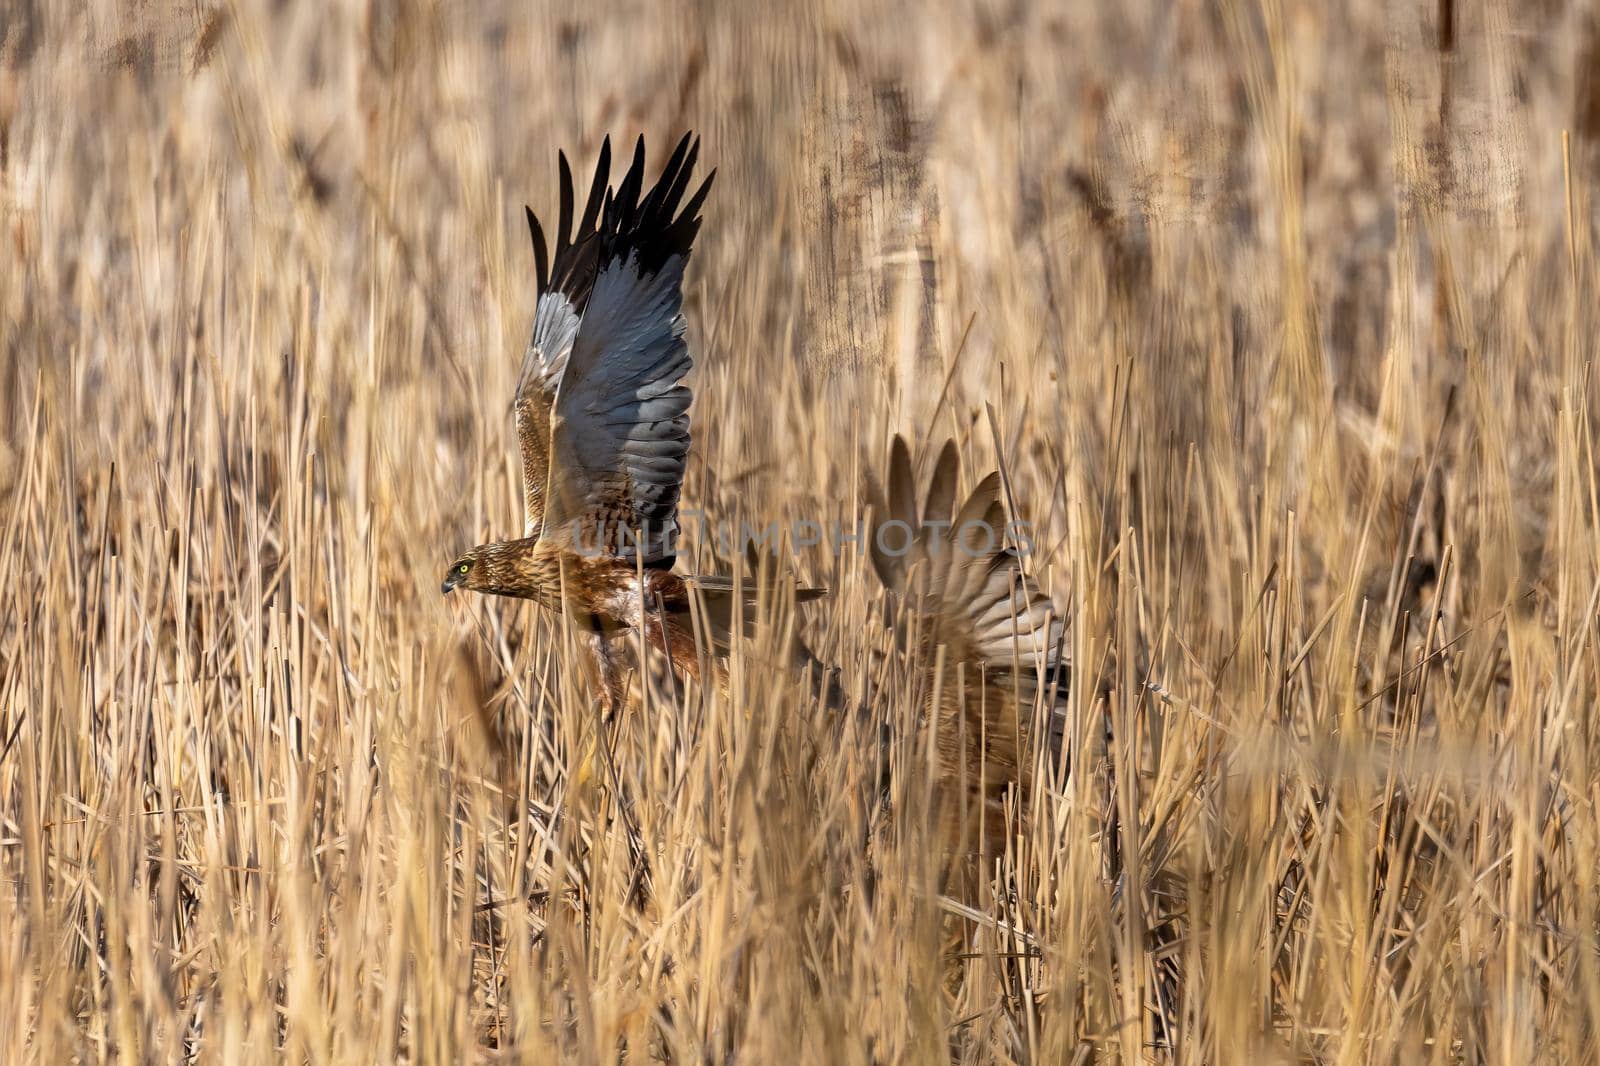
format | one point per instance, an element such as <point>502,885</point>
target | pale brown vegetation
<point>1286,313</point>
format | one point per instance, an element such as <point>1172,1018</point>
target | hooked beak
<point>451,580</point>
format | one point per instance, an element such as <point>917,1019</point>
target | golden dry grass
<point>1286,313</point>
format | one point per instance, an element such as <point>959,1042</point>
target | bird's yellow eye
<point>463,568</point>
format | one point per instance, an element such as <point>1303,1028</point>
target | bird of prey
<point>603,420</point>
<point>990,643</point>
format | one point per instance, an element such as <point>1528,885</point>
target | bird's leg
<point>671,637</point>
<point>613,684</point>
<point>613,696</point>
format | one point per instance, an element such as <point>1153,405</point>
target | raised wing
<point>564,288</point>
<point>619,424</point>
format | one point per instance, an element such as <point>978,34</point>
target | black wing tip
<point>654,224</point>
<point>541,261</point>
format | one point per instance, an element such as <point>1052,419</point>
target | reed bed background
<point>1280,318</point>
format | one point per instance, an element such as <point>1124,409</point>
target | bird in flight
<point>602,420</point>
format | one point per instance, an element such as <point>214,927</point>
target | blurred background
<point>1279,317</point>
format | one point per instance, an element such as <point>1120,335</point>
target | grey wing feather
<point>609,319</point>
<point>620,431</point>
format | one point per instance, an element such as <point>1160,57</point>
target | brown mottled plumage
<point>597,593</point>
<point>987,651</point>
<point>603,421</point>
<point>961,602</point>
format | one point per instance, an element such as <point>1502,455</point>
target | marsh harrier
<point>603,419</point>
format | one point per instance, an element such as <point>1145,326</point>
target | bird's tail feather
<point>730,605</point>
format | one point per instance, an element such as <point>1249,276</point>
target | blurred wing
<point>951,568</point>
<point>564,287</point>
<point>958,591</point>
<point>619,426</point>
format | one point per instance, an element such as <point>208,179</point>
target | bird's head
<point>464,570</point>
<point>499,568</point>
